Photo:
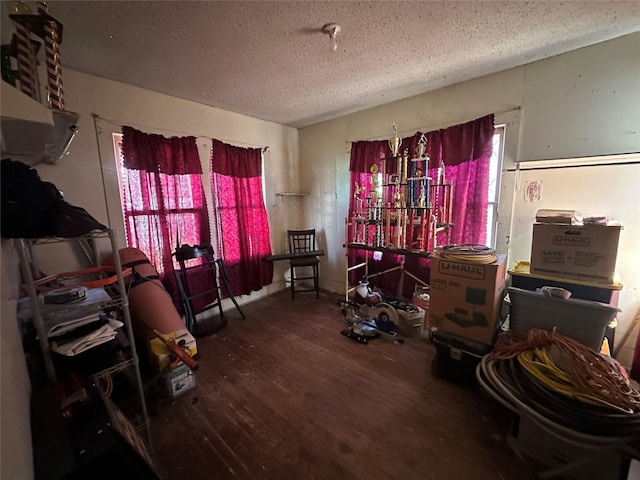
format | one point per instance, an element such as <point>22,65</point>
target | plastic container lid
<point>583,320</point>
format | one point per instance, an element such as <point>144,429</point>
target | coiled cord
<point>106,383</point>
<point>502,387</point>
<point>584,374</point>
<point>469,253</point>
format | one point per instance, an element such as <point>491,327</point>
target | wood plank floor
<point>282,395</point>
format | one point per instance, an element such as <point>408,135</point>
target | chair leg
<point>316,280</point>
<point>233,299</point>
<point>219,300</point>
<point>292,281</point>
<point>189,317</point>
<point>227,286</point>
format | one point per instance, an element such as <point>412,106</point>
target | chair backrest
<point>197,275</point>
<point>302,240</point>
<point>192,255</point>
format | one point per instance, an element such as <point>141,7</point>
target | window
<point>495,167</point>
<point>164,205</point>
<point>154,204</point>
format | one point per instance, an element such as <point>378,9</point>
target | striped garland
<point>52,55</point>
<point>54,70</point>
<point>25,56</point>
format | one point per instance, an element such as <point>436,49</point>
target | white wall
<point>608,186</point>
<point>582,103</point>
<point>15,425</point>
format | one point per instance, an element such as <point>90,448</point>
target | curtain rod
<point>119,123</point>
<point>404,133</point>
<point>556,167</point>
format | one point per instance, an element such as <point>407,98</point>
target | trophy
<point>375,184</point>
<point>422,146</point>
<point>357,195</point>
<point>395,141</point>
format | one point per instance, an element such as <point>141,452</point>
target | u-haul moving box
<point>466,298</point>
<point>585,252</point>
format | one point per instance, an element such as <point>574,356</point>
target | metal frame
<point>29,269</point>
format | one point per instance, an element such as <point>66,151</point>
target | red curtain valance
<point>158,154</point>
<point>239,162</point>
<point>454,145</point>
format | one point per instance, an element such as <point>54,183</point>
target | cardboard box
<point>466,298</point>
<point>160,353</point>
<point>178,380</point>
<point>411,321</point>
<point>578,251</point>
<point>567,217</point>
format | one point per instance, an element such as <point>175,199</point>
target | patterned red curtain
<point>465,151</point>
<point>163,199</point>
<point>242,226</point>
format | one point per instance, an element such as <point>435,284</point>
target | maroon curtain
<point>155,153</point>
<point>465,151</point>
<point>242,226</point>
<point>163,199</point>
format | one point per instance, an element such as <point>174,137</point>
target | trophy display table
<point>369,252</point>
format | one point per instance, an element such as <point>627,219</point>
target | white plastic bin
<point>582,320</point>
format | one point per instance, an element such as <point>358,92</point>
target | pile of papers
<point>103,334</point>
<point>76,330</point>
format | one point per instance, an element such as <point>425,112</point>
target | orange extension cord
<point>589,373</point>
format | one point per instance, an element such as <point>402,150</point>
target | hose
<point>584,374</point>
<point>469,253</point>
<point>488,377</point>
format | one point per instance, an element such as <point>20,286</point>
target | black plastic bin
<point>456,358</point>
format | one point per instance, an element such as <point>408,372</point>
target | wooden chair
<point>301,241</point>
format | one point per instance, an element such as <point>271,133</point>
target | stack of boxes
<point>579,257</point>
<point>465,309</point>
<point>180,378</point>
<point>466,298</point>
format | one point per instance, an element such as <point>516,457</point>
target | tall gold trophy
<point>395,141</point>
<point>421,148</point>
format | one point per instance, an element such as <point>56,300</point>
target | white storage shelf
<point>118,301</point>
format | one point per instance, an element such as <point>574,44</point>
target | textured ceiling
<point>270,60</point>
